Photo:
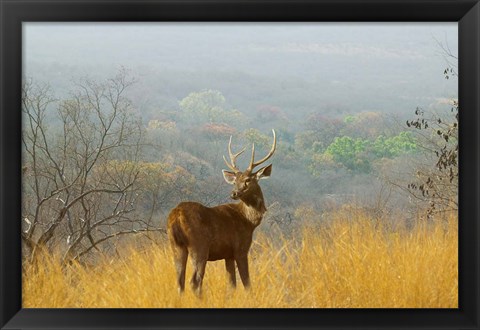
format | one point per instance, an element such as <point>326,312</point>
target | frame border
<point>14,12</point>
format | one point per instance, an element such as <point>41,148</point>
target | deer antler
<point>233,157</point>
<point>254,164</point>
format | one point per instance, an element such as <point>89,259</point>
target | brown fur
<point>215,233</point>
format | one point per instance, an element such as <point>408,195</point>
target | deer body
<point>220,232</point>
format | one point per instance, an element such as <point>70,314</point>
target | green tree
<point>351,153</point>
<point>394,146</point>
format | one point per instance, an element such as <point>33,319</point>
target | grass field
<point>346,263</point>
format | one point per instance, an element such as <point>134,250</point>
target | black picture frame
<point>14,12</point>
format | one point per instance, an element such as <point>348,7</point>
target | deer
<point>224,231</point>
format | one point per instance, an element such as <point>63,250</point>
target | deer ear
<point>264,172</point>
<point>229,176</point>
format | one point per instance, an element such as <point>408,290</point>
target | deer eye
<point>247,181</point>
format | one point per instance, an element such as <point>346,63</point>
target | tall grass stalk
<point>351,262</point>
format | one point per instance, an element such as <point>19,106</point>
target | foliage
<point>437,185</point>
<point>357,154</point>
<point>351,153</point>
<point>349,119</point>
<point>394,146</point>
<point>155,124</point>
<point>305,140</point>
<point>354,142</point>
<point>319,154</point>
<point>209,106</point>
<point>217,131</point>
<point>268,113</point>
<point>321,130</point>
<point>367,125</point>
<point>260,140</point>
<point>72,202</point>
<point>157,182</point>
<point>321,163</point>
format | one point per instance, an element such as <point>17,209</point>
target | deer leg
<point>180,256</point>
<point>199,264</point>
<point>230,266</point>
<point>242,264</point>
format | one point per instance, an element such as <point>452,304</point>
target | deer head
<point>245,184</point>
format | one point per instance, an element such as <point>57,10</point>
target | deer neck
<point>253,207</point>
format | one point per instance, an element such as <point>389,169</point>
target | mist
<point>300,67</point>
<point>337,94</point>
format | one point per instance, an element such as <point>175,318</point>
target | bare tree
<point>435,183</point>
<point>80,167</point>
<point>438,137</point>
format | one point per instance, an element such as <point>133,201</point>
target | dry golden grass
<point>347,263</point>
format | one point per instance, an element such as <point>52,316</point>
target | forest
<point>105,159</point>
<point>92,165</point>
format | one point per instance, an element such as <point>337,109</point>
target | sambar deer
<point>220,232</point>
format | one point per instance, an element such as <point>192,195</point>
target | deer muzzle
<point>235,195</point>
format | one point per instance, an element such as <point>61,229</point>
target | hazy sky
<point>401,60</point>
<point>133,42</point>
